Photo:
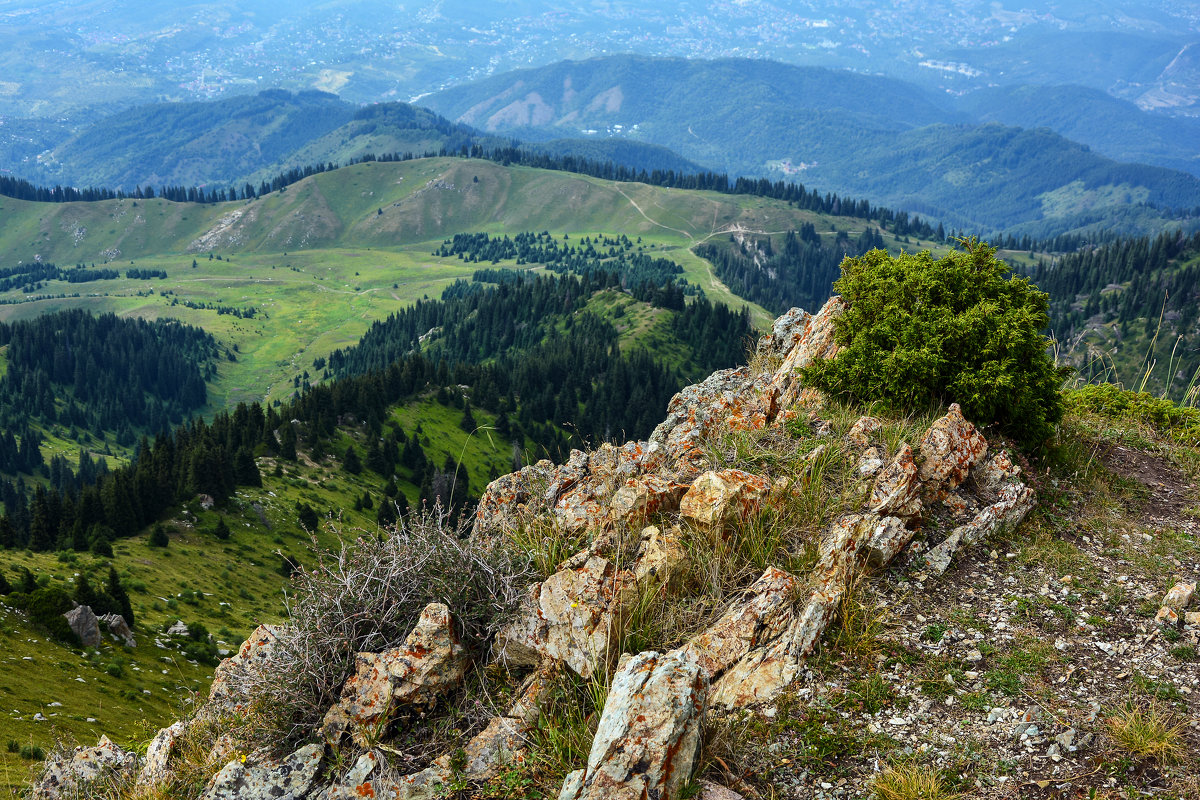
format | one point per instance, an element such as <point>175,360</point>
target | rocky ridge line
<point>649,729</point>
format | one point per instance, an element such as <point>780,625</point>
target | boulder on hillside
<point>84,623</point>
<point>68,775</point>
<point>253,651</point>
<point>950,448</point>
<point>716,499</point>
<point>158,754</point>
<point>118,627</point>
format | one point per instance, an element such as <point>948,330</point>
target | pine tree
<point>116,591</point>
<point>221,531</point>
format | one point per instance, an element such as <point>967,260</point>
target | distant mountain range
<point>1037,160</point>
<point>964,161</point>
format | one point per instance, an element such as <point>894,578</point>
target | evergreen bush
<point>921,331</point>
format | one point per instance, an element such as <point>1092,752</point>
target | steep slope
<point>769,595</point>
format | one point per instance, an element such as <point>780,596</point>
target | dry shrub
<point>366,597</point>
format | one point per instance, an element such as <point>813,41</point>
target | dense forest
<point>101,373</point>
<point>1145,292</point>
<point>527,348</point>
<point>797,272</point>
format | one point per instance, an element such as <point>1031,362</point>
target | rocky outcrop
<point>158,755</point>
<point>417,674</point>
<point>649,734</point>
<point>119,628</point>
<point>264,778</point>
<point>643,513</point>
<point>252,652</point>
<point>85,625</point>
<point>69,775</point>
<point>569,617</point>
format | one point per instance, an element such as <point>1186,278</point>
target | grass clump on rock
<point>921,331</point>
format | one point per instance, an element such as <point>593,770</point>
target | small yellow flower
<point>574,605</point>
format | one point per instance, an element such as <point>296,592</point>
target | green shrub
<point>1105,399</point>
<point>921,331</point>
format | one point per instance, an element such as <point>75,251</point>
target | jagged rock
<point>897,490</point>
<point>717,498</point>
<point>861,432</point>
<point>118,627</point>
<point>786,332</point>
<point>504,501</point>
<point>1192,619</point>
<point>354,784</point>
<point>84,623</point>
<point>568,617</point>
<point>869,463</point>
<point>430,663</point>
<point>1006,513</point>
<point>158,755</point>
<point>641,498</point>
<point>253,650</point>
<point>816,342</point>
<point>1180,596</point>
<point>660,555</point>
<point>178,628</point>
<point>264,778</point>
<point>730,399</point>
<point>994,474</point>
<point>70,775</point>
<point>950,448</point>
<point>762,613</point>
<point>647,739</point>
<point>856,541</point>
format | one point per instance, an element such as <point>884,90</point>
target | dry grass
<point>910,782</point>
<point>1148,731</point>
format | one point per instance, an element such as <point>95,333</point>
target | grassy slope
<point>242,572</point>
<point>322,262</point>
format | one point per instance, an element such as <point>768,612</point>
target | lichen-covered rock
<point>818,341</point>
<point>264,778</point>
<point>762,613</point>
<point>158,755</point>
<point>647,740</point>
<point>786,332</point>
<point>253,651</point>
<point>869,463</point>
<point>569,617</point>
<point>1006,513</point>
<point>364,780</point>
<point>69,775</point>
<point>660,555</point>
<point>641,498</point>
<point>861,431</point>
<point>1180,596</point>
<point>503,503</point>
<point>716,499</point>
<point>117,626</point>
<point>897,490</point>
<point>950,448</point>
<point>730,399</point>
<point>1175,601</point>
<point>83,621</point>
<point>429,664</point>
<point>995,473</point>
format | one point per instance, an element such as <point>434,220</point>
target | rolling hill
<point>853,134</point>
